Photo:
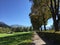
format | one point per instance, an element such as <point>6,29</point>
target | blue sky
<point>49,22</point>
<point>16,12</point>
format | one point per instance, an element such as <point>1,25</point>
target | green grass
<point>4,34</point>
<point>51,31</point>
<point>20,38</point>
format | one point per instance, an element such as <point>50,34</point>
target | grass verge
<point>21,38</point>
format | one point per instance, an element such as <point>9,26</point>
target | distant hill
<point>2,24</point>
<point>15,25</point>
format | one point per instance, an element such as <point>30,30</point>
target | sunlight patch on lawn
<point>4,34</point>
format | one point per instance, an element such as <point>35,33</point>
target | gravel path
<point>37,40</point>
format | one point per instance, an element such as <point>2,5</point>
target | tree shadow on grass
<point>26,44</point>
<point>14,39</point>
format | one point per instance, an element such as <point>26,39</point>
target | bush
<point>4,30</point>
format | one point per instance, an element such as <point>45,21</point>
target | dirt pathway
<point>37,40</point>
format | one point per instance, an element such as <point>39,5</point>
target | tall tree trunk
<point>55,22</point>
<point>57,13</point>
<point>56,25</point>
<point>44,23</point>
<point>41,28</point>
<point>44,27</point>
<point>53,11</point>
<point>37,28</point>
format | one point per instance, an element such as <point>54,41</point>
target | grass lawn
<point>20,38</point>
<point>51,31</point>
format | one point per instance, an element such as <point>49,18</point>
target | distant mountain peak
<point>2,24</point>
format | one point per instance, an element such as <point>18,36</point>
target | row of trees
<point>21,29</point>
<point>42,10</point>
<point>15,29</point>
<point>4,28</point>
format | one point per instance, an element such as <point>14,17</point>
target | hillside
<point>2,24</point>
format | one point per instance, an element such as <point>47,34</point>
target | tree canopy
<point>40,13</point>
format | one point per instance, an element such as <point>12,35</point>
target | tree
<point>54,7</point>
<point>30,28</point>
<point>36,23</point>
<point>37,9</point>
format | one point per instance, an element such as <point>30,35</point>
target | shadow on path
<point>37,40</point>
<point>48,42</point>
